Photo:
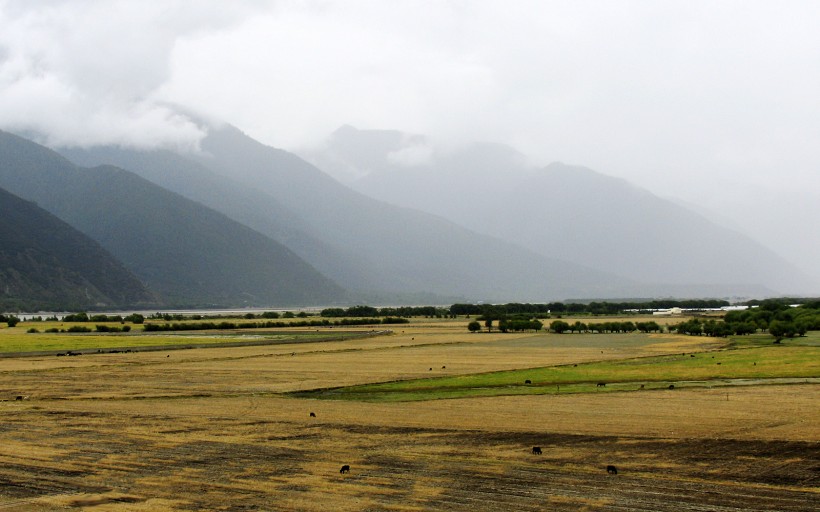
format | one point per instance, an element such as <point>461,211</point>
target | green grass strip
<point>771,362</point>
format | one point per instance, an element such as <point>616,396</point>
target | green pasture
<point>762,363</point>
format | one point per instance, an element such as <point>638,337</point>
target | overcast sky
<point>716,103</point>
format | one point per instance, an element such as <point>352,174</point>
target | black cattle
<point>600,385</point>
<point>612,470</point>
<point>671,386</point>
<point>536,450</point>
<point>313,415</point>
<point>528,381</point>
<point>345,469</point>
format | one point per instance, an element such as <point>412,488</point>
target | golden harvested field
<point>209,429</point>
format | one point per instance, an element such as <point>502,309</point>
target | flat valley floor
<point>210,429</point>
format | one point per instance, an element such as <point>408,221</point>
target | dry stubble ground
<point>208,430</point>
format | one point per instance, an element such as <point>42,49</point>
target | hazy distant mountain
<point>376,250</point>
<point>245,204</point>
<point>47,264</point>
<point>185,252</point>
<point>610,224</point>
<point>571,213</point>
<point>399,250</point>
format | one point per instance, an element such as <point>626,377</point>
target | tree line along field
<point>224,428</point>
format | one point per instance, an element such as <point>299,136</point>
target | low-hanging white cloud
<point>91,72</point>
<point>714,102</point>
<point>412,156</point>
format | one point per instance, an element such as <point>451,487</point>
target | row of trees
<point>404,311</point>
<point>511,324</point>
<point>560,326</point>
<point>135,318</point>
<point>780,320</point>
<point>776,317</point>
<point>590,308</point>
<point>83,328</point>
<point>200,326</point>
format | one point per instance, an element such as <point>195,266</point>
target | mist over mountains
<point>718,108</point>
<point>239,223</point>
<point>375,250</point>
<point>565,212</point>
<point>185,253</point>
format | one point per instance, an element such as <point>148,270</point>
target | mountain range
<point>186,253</point>
<point>240,223</point>
<point>377,251</point>
<point>561,211</point>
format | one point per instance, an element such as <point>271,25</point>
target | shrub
<point>135,318</point>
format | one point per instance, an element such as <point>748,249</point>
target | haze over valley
<point>409,255</point>
<point>223,159</point>
<point>243,224</point>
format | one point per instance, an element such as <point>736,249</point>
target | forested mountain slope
<point>185,252</point>
<point>47,264</point>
